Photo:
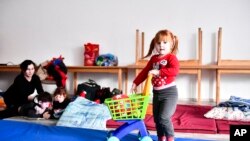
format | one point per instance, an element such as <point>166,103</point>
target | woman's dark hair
<point>24,65</point>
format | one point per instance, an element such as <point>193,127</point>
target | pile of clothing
<point>55,69</point>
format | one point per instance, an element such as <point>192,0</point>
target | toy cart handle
<point>146,90</point>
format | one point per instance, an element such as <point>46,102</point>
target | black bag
<point>105,92</point>
<point>102,94</point>
<point>90,87</point>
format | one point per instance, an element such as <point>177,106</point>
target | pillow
<point>228,113</point>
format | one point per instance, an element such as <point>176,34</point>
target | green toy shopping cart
<point>132,111</point>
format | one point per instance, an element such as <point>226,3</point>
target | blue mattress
<point>25,131</point>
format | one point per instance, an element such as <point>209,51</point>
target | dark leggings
<point>164,105</point>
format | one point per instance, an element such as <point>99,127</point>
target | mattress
<point>187,118</point>
<point>223,126</point>
<point>24,131</point>
<point>33,120</point>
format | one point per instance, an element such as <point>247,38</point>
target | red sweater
<point>168,67</point>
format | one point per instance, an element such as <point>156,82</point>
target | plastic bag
<point>91,51</point>
<point>107,60</point>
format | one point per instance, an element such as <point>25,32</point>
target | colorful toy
<point>131,110</point>
<point>106,60</point>
<point>57,71</point>
<point>122,105</point>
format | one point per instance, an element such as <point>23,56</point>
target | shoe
<point>162,138</point>
<point>170,138</point>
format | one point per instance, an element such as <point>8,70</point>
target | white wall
<point>40,30</point>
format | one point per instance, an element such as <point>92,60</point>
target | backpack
<point>105,92</point>
<point>90,88</point>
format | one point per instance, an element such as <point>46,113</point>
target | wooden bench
<point>227,66</point>
<point>192,66</point>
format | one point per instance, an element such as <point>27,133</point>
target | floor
<point>215,137</point>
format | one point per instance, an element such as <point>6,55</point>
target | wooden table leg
<point>119,76</point>
<point>199,86</point>
<point>126,81</point>
<point>75,82</point>
<point>218,73</point>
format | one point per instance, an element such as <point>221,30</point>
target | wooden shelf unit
<point>228,66</point>
<point>119,70</point>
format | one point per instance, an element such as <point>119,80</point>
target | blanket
<point>84,113</point>
<point>238,102</point>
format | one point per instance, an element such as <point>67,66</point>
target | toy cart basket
<point>132,111</point>
<point>133,107</point>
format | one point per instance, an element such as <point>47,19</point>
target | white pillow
<point>228,113</point>
<point>217,113</point>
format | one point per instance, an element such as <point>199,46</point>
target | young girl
<point>60,102</point>
<point>164,66</point>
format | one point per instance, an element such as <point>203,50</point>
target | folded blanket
<point>238,102</point>
<point>84,113</point>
